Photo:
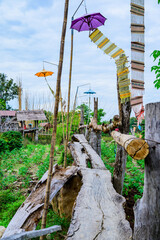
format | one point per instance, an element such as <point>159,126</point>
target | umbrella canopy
<point>90,92</point>
<point>88,22</point>
<point>44,73</point>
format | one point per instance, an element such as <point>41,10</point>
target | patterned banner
<point>120,59</point>
<point>137,58</point>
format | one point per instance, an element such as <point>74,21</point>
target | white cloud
<point>31,32</point>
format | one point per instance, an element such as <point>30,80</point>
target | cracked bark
<point>98,212</point>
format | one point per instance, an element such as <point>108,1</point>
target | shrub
<point>3,145</point>
<point>13,139</point>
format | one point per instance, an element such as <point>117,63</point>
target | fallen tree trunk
<point>98,212</point>
<point>33,234</point>
<point>137,148</point>
<point>29,213</point>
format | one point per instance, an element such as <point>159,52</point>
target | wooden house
<point>29,121</point>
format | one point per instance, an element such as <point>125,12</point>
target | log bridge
<point>97,210</point>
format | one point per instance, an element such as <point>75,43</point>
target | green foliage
<point>156,68</point>
<point>133,122</point>
<point>9,203</point>
<point>13,139</point>
<point>8,89</point>
<point>49,116</point>
<point>2,104</point>
<point>3,145</point>
<point>158,1</point>
<point>86,110</point>
<point>134,176</point>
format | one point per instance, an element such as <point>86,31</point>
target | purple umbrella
<point>88,22</point>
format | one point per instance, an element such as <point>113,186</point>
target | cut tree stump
<point>29,213</point>
<point>137,148</point>
<point>98,213</point>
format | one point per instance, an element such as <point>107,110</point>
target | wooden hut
<point>29,121</point>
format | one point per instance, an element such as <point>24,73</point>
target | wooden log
<point>147,210</point>
<point>29,213</point>
<point>94,137</point>
<point>98,213</point>
<point>137,148</point>
<point>33,234</point>
<point>96,161</point>
<point>95,140</point>
<point>105,128</point>
<point>78,154</point>
<point>82,130</point>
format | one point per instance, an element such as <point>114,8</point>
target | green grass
<point>17,169</point>
<point>134,175</point>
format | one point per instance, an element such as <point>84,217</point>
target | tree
<point>156,68</point>
<point>8,91</point>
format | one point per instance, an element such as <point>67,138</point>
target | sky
<point>31,32</point>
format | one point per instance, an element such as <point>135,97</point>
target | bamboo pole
<point>68,105</point>
<point>58,86</point>
<point>62,113</point>
<point>20,95</point>
<point>73,112</point>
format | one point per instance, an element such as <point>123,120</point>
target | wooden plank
<point>98,213</point>
<point>33,234</point>
<point>29,213</point>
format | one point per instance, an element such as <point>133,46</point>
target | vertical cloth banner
<point>120,58</point>
<point>137,58</point>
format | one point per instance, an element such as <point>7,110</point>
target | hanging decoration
<point>121,61</point>
<point>137,58</point>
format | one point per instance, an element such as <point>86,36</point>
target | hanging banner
<point>137,58</point>
<point>121,61</point>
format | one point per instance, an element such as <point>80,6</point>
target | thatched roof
<point>30,115</point>
<point>7,113</point>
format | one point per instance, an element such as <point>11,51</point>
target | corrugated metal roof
<point>31,115</point>
<point>7,113</point>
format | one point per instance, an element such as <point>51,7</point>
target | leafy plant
<point>3,145</point>
<point>13,139</point>
<point>156,68</point>
<point>8,91</point>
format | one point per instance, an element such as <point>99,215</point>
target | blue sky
<point>31,32</point>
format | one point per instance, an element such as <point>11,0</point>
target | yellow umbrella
<point>44,73</point>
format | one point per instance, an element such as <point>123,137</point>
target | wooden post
<point>82,130</point>
<point>68,104</point>
<point>53,141</point>
<point>95,136</point>
<point>147,210</point>
<point>121,155</point>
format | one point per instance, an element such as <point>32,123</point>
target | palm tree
<point>58,85</point>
